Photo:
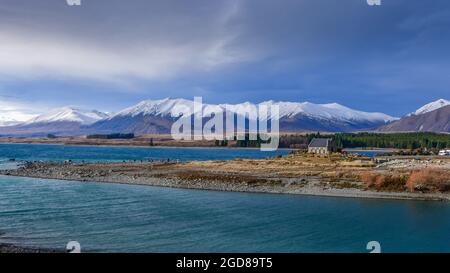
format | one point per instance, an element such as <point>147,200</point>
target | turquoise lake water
<point>115,153</point>
<point>126,218</point>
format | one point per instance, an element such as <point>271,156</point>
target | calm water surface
<point>109,217</point>
<point>114,153</point>
<point>126,218</point>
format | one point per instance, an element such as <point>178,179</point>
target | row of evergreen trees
<point>409,141</point>
<point>397,140</point>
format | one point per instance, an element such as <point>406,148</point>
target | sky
<point>111,54</point>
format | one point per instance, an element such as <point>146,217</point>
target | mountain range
<point>433,117</point>
<point>157,117</point>
<point>63,121</point>
<point>435,105</point>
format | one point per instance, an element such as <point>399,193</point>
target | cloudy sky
<point>110,54</point>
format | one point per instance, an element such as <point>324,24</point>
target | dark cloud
<point>372,58</point>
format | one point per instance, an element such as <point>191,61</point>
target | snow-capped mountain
<point>10,118</point>
<point>146,117</point>
<point>431,106</point>
<point>172,108</point>
<point>164,108</point>
<point>157,116</point>
<point>69,114</point>
<point>329,111</point>
<point>62,121</point>
<point>331,117</point>
<point>432,117</point>
<point>6,120</point>
<point>435,121</point>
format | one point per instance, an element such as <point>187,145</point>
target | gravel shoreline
<point>179,176</point>
<point>10,248</point>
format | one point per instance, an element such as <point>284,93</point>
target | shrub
<point>368,178</point>
<point>379,181</point>
<point>429,180</point>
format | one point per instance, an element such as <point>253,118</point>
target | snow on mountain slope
<point>171,108</point>
<point>330,111</point>
<point>165,108</point>
<point>10,118</point>
<point>435,121</point>
<point>431,107</point>
<point>69,114</point>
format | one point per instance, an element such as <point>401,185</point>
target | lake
<point>129,218</point>
<point>51,152</point>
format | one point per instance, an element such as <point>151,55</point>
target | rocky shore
<point>9,248</point>
<point>308,176</point>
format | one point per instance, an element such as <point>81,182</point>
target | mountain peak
<point>432,121</point>
<point>162,107</point>
<point>69,114</point>
<point>157,116</point>
<point>168,107</point>
<point>431,106</point>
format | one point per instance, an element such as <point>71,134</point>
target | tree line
<point>408,141</point>
<point>393,140</point>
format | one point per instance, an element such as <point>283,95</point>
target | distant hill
<point>434,121</point>
<point>62,121</point>
<point>431,107</point>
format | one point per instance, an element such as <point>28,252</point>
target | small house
<point>321,146</point>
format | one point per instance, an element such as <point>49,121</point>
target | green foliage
<point>222,143</point>
<point>409,141</point>
<point>396,140</point>
<point>247,142</point>
<point>406,141</point>
<point>299,141</point>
